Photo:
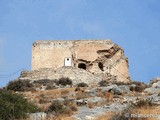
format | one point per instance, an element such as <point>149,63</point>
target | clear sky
<point>132,24</point>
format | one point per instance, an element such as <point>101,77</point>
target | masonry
<point>101,58</point>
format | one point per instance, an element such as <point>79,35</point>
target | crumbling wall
<point>75,74</point>
<point>102,58</point>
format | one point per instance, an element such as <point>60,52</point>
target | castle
<point>101,59</point>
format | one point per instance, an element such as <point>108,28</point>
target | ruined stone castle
<point>81,60</point>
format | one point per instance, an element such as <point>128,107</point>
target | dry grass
<point>109,96</point>
<point>146,110</point>
<point>55,93</point>
<point>81,94</point>
<point>43,98</point>
<point>90,105</point>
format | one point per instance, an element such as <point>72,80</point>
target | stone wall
<point>75,74</point>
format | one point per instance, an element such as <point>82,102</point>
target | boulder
<point>156,85</point>
<point>94,99</point>
<point>110,87</point>
<point>154,98</point>
<point>152,90</point>
<point>124,89</point>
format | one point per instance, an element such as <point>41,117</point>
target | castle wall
<point>50,54</point>
<point>95,56</point>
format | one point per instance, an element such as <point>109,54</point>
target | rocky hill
<point>61,99</point>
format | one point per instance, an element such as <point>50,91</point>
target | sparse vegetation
<point>56,107</point>
<point>122,83</point>
<point>139,86</point>
<point>77,89</point>
<point>20,85</point>
<point>82,84</point>
<point>45,81</point>
<point>50,87</point>
<point>14,106</point>
<point>64,81</point>
<point>143,103</point>
<point>59,108</point>
<point>103,83</point>
<point>139,107</point>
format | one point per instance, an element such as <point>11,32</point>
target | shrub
<point>82,84</point>
<point>138,89</point>
<point>122,83</point>
<point>74,108</point>
<point>20,85</point>
<point>64,81</point>
<point>143,103</point>
<point>50,87</point>
<point>137,83</point>
<point>77,89</point>
<point>132,88</point>
<point>14,106</point>
<point>103,83</point>
<point>45,81</point>
<point>56,107</point>
<point>132,109</point>
<point>121,115</point>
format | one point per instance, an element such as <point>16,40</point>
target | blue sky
<point>133,24</point>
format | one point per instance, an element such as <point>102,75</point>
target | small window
<point>67,59</point>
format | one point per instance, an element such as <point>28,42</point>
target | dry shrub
<point>50,87</point>
<point>74,108</point>
<point>43,101</point>
<point>82,84</point>
<point>138,89</point>
<point>56,107</point>
<point>100,94</point>
<point>67,111</point>
<point>122,83</point>
<point>64,81</point>
<point>143,103</point>
<point>66,107</point>
<point>137,108</point>
<point>81,95</point>
<point>109,96</point>
<point>90,105</point>
<point>103,83</point>
<point>77,89</point>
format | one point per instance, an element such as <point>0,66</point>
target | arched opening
<point>82,66</point>
<point>100,65</point>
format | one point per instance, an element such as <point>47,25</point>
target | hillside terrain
<point>61,100</point>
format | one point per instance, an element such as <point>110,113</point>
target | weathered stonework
<point>100,59</point>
